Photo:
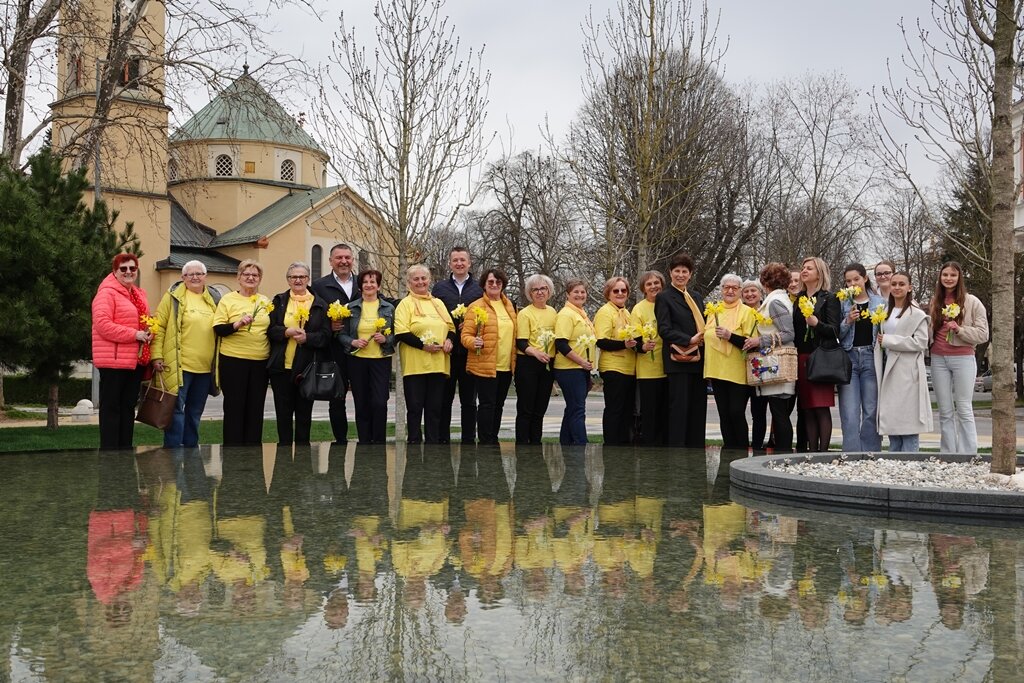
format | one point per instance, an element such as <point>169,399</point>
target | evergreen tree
<point>53,253</point>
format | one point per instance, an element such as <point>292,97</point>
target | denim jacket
<point>350,328</point>
<point>845,328</point>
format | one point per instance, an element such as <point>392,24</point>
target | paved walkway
<point>553,418</point>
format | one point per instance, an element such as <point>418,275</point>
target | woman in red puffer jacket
<point>120,349</point>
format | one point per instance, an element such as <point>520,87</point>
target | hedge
<point>21,390</point>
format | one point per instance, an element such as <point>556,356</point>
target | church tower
<point>112,51</point>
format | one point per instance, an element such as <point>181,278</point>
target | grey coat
<point>904,404</point>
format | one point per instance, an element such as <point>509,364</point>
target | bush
<point>22,390</point>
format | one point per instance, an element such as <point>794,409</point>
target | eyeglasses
<point>193,274</point>
<point>128,269</point>
<point>620,291</point>
<point>730,288</point>
<point>883,273</point>
<point>539,289</point>
<point>251,276</point>
<point>495,282</point>
<point>298,277</point>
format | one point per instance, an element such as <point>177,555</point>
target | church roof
<point>245,111</point>
<point>215,262</point>
<point>274,217</point>
<point>185,232</point>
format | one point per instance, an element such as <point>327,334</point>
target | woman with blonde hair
<point>241,321</point>
<point>617,363</point>
<point>426,332</point>
<point>651,381</point>
<point>815,399</point>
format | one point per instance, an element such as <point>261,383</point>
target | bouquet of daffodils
<point>338,311</point>
<point>301,316</point>
<point>950,312</point>
<point>878,316</point>
<point>714,308</point>
<point>459,311</point>
<point>806,305</point>
<point>429,337</point>
<point>586,342</point>
<point>480,317</point>
<point>649,332</point>
<point>848,293</point>
<point>259,303</point>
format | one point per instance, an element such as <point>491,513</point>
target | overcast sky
<point>533,47</point>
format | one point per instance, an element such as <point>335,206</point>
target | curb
<point>751,478</point>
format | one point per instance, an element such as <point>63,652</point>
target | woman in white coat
<point>904,406</point>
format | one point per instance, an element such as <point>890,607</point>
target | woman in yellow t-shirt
<point>617,363</point>
<point>489,332</point>
<point>575,343</point>
<point>298,328</point>
<point>183,351</point>
<point>725,362</point>
<point>651,381</point>
<point>368,335</point>
<point>535,345</point>
<point>426,332</point>
<point>242,319</point>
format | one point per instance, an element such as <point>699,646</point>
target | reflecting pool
<point>495,563</point>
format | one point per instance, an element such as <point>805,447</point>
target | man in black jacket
<point>338,285</point>
<point>459,288</point>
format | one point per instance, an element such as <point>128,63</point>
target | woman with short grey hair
<point>535,348</point>
<point>184,351</point>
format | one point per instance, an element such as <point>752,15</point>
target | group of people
<point>464,336</point>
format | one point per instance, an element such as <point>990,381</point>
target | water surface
<point>451,563</point>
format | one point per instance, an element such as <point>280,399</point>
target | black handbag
<point>321,381</point>
<point>829,364</point>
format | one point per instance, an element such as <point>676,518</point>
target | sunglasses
<point>620,291</point>
<point>128,269</point>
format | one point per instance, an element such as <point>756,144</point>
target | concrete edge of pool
<point>752,477</point>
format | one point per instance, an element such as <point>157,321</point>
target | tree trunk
<point>1004,423</point>
<point>51,406</point>
<point>3,401</point>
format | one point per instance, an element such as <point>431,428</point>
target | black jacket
<point>676,325</point>
<point>318,334</point>
<point>828,312</point>
<point>448,292</point>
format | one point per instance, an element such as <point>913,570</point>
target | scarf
<point>698,315</point>
<point>417,298</point>
<point>145,352</point>
<point>727,319</point>
<point>582,314</point>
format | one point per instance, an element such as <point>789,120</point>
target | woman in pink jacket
<point>120,349</point>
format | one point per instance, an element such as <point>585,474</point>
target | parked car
<point>983,383</point>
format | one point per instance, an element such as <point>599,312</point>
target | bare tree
<point>957,102</point>
<point>907,235</point>
<point>405,120</point>
<point>641,143</point>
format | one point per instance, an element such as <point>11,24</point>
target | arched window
<point>224,166</point>
<point>288,170</point>
<point>316,261</point>
<point>172,170</point>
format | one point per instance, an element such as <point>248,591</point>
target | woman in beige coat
<point>904,404</point>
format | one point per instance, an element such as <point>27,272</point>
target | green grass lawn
<point>66,437</point>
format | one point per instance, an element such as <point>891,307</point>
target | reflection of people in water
<point>959,571</point>
<point>421,545</point>
<point>732,561</point>
<point>485,536</point>
<point>336,609</point>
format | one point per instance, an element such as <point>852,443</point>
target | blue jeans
<point>953,381</point>
<point>858,404</point>
<point>574,385</point>
<point>904,443</point>
<point>192,395</point>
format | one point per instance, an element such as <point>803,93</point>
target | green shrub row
<point>21,390</point>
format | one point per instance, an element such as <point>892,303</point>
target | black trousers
<point>466,385</point>
<point>491,392</point>
<point>288,403</point>
<point>653,410</point>
<point>781,409</point>
<point>619,400</point>
<point>336,407</point>
<point>244,383</point>
<point>424,395</point>
<point>370,380</point>
<point>119,395</point>
<point>533,394</point>
<point>731,401</point>
<point>758,418</point>
<point>687,409</point>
